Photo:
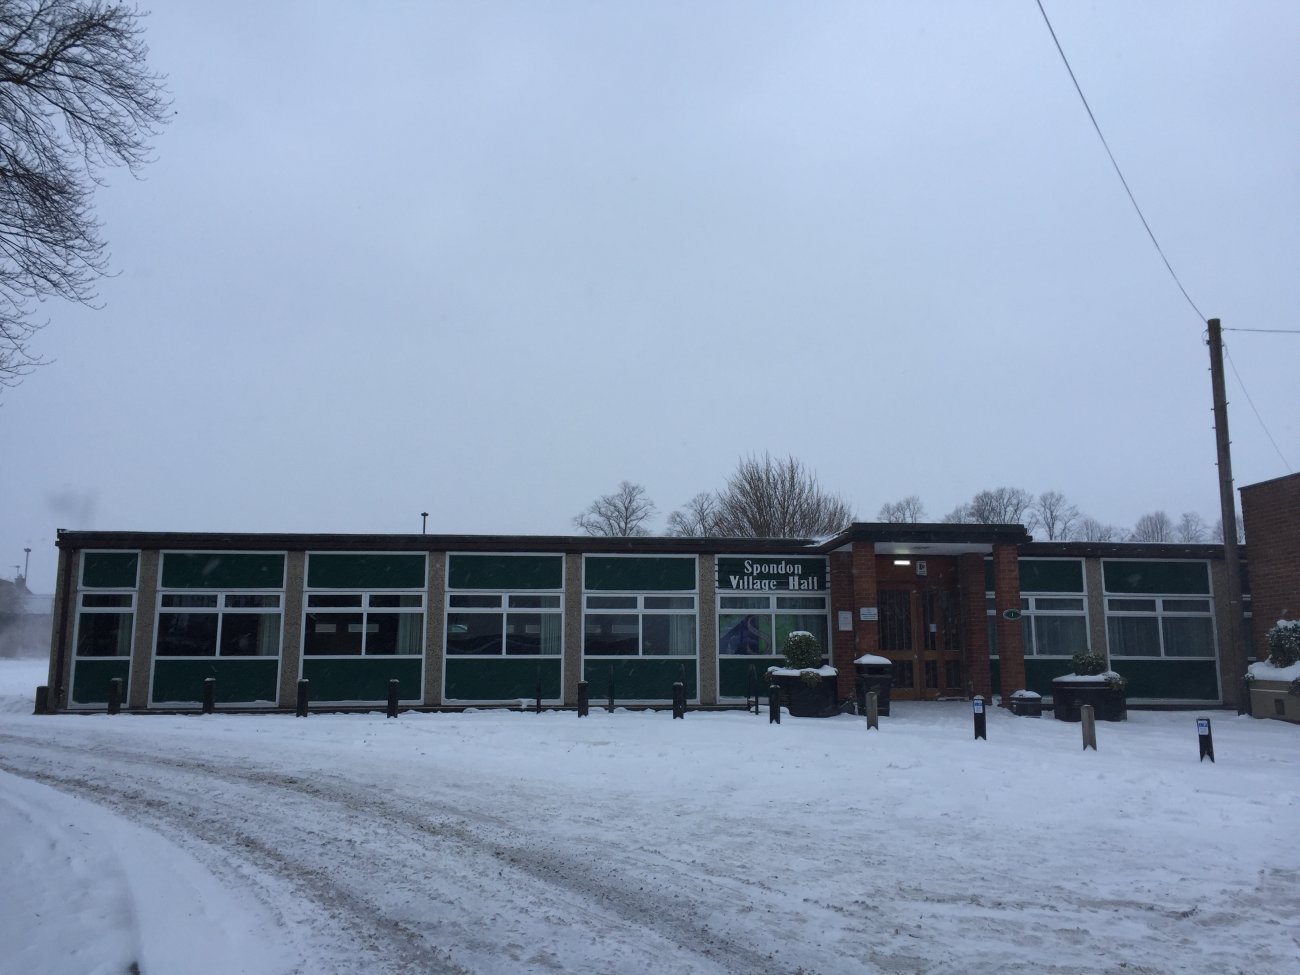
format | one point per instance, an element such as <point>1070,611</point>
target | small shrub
<point>1284,643</point>
<point>802,651</point>
<point>1086,663</point>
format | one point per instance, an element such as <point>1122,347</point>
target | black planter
<point>1026,707</point>
<point>807,700</point>
<point>874,677</point>
<point>1069,695</point>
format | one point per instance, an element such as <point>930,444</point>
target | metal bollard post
<point>679,700</point>
<point>751,690</point>
<point>873,711</point>
<point>538,708</point>
<point>42,700</point>
<point>977,707</point>
<point>1206,738</point>
<point>115,695</point>
<point>860,694</point>
<point>209,695</point>
<point>774,704</point>
<point>302,697</point>
<point>1088,716</point>
<point>583,702</point>
<point>611,689</point>
<point>393,686</point>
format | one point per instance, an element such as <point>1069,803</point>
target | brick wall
<point>1271,510</point>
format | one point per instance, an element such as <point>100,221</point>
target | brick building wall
<point>1271,510</point>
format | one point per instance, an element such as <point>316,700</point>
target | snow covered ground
<point>508,842</point>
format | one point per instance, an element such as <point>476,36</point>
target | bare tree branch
<point>697,518</point>
<point>908,511</point>
<point>621,514</point>
<point>1058,519</point>
<point>767,498</point>
<point>1153,527</point>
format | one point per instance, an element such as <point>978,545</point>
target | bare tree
<point>76,95</point>
<point>908,511</point>
<point>960,515</point>
<point>697,518</point>
<point>621,514</point>
<point>1091,530</point>
<point>1191,528</point>
<point>1058,519</point>
<point>1153,527</point>
<point>1217,534</point>
<point>767,498</point>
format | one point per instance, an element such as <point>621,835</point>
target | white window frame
<point>364,609</point>
<point>1160,614</point>
<point>640,611</point>
<point>220,610</point>
<point>502,610</point>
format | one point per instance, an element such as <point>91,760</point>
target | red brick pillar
<point>866,633</point>
<point>974,624</point>
<point>1011,646</point>
<point>842,642</point>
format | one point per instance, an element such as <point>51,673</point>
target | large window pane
<point>187,634</point>
<point>393,633</point>
<point>332,634</point>
<point>250,634</point>
<point>612,634</point>
<point>1133,636</point>
<point>1188,636</point>
<point>104,635</point>
<point>787,623</point>
<point>1060,636</point>
<point>748,634</point>
<point>533,634</point>
<point>476,634</point>
<point>668,635</point>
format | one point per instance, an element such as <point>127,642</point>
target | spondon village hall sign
<point>771,574</point>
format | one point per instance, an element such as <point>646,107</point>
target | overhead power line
<point>1285,462</point>
<point>1118,172</point>
<point>1271,331</point>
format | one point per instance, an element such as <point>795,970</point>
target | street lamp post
<point>424,521</point>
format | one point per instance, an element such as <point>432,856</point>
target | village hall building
<point>472,620</point>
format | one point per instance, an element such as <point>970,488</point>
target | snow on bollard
<point>774,704</point>
<point>1206,739</point>
<point>981,719</point>
<point>209,694</point>
<point>872,710</point>
<point>1088,719</point>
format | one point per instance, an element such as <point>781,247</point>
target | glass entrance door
<point>920,633</point>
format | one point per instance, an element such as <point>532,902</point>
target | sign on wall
<point>772,574</point>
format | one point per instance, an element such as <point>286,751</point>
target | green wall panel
<point>1123,575</point>
<point>501,678</point>
<point>733,674</point>
<point>363,678</point>
<point>1039,672</point>
<point>636,679</point>
<point>110,570</point>
<point>505,572</point>
<point>1051,575</point>
<point>347,570</point>
<point>222,570</point>
<point>90,679</point>
<point>640,574</point>
<point>1195,680</point>
<point>239,681</point>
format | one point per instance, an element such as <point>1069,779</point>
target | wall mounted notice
<point>846,621</point>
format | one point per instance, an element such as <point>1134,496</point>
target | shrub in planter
<point>1107,696</point>
<point>1087,664</point>
<point>1284,643</point>
<point>803,653</point>
<point>805,689</point>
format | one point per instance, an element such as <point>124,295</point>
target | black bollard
<point>1206,738</point>
<point>981,728</point>
<point>583,701</point>
<point>611,689</point>
<point>679,700</point>
<point>42,700</point>
<point>115,695</point>
<point>860,692</point>
<point>209,694</point>
<point>302,697</point>
<point>774,704</point>
<point>751,690</point>
<point>393,685</point>
<point>539,691</point>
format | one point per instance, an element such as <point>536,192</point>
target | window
<point>1054,626</point>
<point>218,624</point>
<point>511,624</point>
<point>640,625</point>
<point>363,624</point>
<point>759,625</point>
<point>1160,627</point>
<point>106,619</point>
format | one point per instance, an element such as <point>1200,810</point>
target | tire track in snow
<point>599,891</point>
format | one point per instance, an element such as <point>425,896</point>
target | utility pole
<point>1235,651</point>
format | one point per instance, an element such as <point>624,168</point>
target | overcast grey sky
<point>486,260</point>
